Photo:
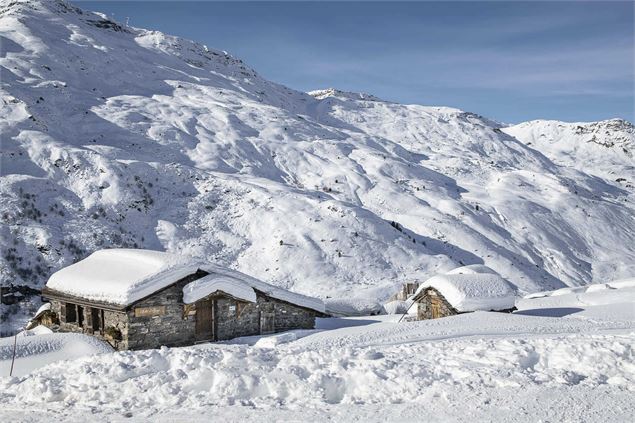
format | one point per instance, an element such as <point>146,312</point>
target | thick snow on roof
<point>470,290</point>
<point>213,282</point>
<point>123,276</point>
<point>240,279</point>
<point>44,307</point>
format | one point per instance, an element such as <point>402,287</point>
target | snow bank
<point>37,330</point>
<point>211,283</point>
<point>275,340</point>
<point>353,307</point>
<point>611,293</point>
<point>397,307</point>
<point>622,283</point>
<point>189,378</point>
<point>39,347</point>
<point>121,276</point>
<point>468,289</point>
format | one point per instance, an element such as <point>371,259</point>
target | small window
<point>80,316</point>
<point>71,313</point>
<point>97,320</point>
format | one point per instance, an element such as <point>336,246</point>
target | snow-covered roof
<point>201,288</point>
<point>40,311</point>
<point>222,275</point>
<point>470,290</point>
<point>124,276</point>
<point>121,276</point>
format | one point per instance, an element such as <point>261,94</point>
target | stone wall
<point>424,306</point>
<point>115,319</point>
<point>170,328</point>
<point>234,319</point>
<point>288,316</point>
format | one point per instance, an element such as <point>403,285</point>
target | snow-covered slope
<point>605,148</point>
<point>115,136</point>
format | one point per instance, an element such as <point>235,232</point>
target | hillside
<point>605,148</point>
<point>114,136</point>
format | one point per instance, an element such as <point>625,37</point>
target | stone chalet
<point>463,290</point>
<point>139,299</point>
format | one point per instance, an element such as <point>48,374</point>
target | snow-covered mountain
<point>606,148</point>
<point>117,136</point>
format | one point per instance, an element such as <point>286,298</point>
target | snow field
<point>37,348</point>
<point>196,377</point>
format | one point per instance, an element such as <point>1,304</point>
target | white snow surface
<point>469,289</point>
<point>542,362</point>
<point>121,276</point>
<point>114,136</point>
<point>201,288</point>
<point>620,291</point>
<point>606,148</point>
<point>39,346</point>
<point>471,269</point>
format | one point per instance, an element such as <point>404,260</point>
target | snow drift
<point>36,348</point>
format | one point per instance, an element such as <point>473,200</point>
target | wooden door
<point>267,318</point>
<point>205,320</point>
<point>435,305</point>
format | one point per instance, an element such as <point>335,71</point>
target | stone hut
<point>464,290</point>
<point>139,299</point>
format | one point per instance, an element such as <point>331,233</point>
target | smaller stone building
<point>139,299</point>
<point>464,290</point>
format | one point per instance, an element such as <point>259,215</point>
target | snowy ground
<point>542,363</point>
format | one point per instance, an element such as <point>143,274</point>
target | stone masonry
<point>424,306</point>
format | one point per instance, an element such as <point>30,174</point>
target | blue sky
<point>510,61</point>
